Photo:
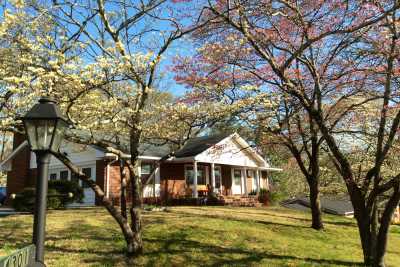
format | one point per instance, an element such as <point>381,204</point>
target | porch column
<point>267,181</point>
<point>195,193</point>
<point>139,168</point>
<point>244,175</point>
<point>212,177</point>
<point>232,179</point>
<point>257,180</point>
<point>220,181</point>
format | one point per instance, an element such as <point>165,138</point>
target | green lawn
<point>192,236</point>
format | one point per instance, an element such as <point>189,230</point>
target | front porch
<point>202,178</point>
<point>224,166</point>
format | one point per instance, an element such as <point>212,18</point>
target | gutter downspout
<point>108,177</point>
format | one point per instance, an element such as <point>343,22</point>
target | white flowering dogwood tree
<point>101,61</point>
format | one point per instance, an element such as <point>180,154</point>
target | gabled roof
<point>151,150</point>
<point>199,144</point>
<point>192,149</point>
<point>145,150</point>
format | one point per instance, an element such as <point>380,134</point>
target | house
<point>226,163</point>
<point>342,207</point>
<point>396,217</point>
<point>332,205</point>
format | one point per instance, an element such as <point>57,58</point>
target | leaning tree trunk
<point>315,204</point>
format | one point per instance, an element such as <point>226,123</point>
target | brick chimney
<point>20,175</point>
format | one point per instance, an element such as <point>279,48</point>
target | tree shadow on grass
<point>177,246</point>
<point>218,255</point>
<point>80,230</point>
<point>16,234</point>
<point>180,247</point>
<point>236,219</point>
<point>305,220</point>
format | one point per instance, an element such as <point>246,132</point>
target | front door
<point>236,182</point>
<point>90,196</point>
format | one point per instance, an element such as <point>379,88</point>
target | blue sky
<point>182,48</point>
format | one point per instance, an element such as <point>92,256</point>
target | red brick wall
<point>115,182</point>
<point>173,182</point>
<point>174,189</point>
<point>171,171</point>
<point>20,176</point>
<point>396,216</point>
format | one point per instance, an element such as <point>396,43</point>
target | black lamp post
<point>45,128</point>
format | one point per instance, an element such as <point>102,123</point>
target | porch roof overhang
<point>127,156</point>
<point>193,159</point>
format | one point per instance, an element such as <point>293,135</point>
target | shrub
<point>213,200</point>
<point>263,196</point>
<point>184,201</point>
<point>57,196</point>
<point>25,201</point>
<point>253,192</point>
<point>64,187</point>
<point>53,202</point>
<point>276,196</point>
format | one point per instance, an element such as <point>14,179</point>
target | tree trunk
<point>136,224</point>
<point>364,223</point>
<point>385,222</point>
<point>136,216</point>
<point>106,202</point>
<point>315,206</point>
<point>123,189</point>
<point>135,212</point>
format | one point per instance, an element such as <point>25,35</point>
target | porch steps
<point>241,201</point>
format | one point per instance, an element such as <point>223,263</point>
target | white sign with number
<point>24,257</point>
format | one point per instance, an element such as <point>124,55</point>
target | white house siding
<point>77,154</point>
<point>81,156</point>
<point>148,190</point>
<point>228,152</point>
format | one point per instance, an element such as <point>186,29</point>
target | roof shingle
<point>199,144</point>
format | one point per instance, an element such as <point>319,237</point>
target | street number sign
<point>24,257</point>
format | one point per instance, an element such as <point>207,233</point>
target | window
<point>237,177</point>
<point>255,180</point>
<point>53,176</point>
<point>145,168</point>
<point>74,178</point>
<point>218,176</point>
<point>87,172</point>
<point>189,175</point>
<point>64,175</point>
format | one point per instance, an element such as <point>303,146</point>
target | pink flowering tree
<point>330,64</point>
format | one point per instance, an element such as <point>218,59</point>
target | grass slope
<point>193,236</point>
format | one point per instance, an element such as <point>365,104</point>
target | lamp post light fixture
<point>45,127</point>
